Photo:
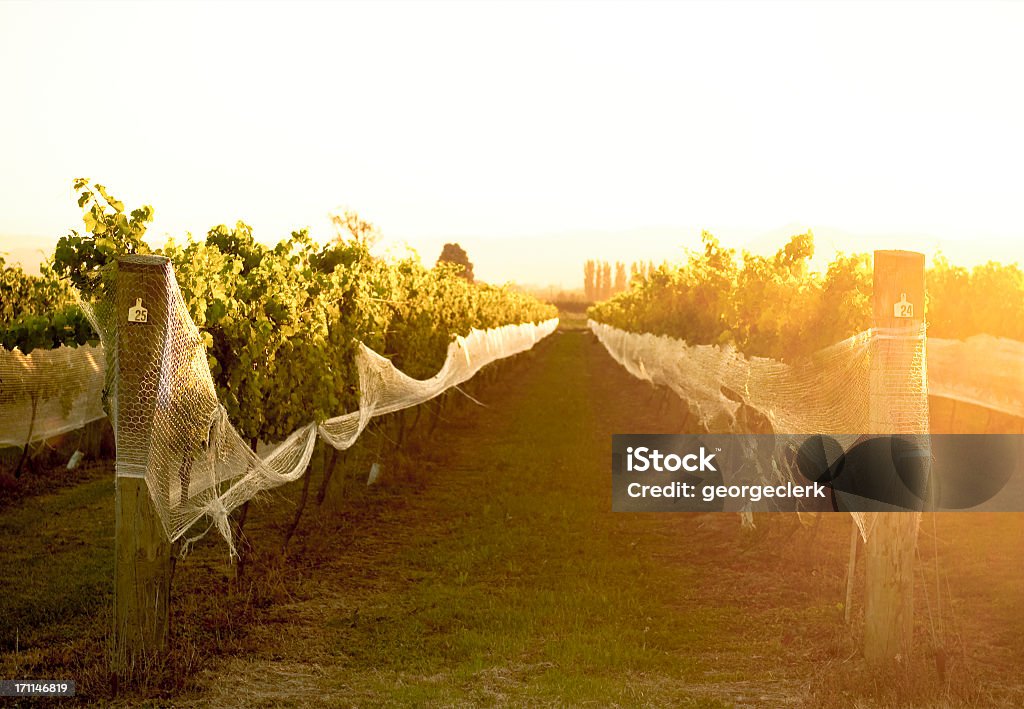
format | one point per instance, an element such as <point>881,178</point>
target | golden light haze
<point>536,135</point>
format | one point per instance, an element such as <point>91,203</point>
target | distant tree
<point>620,276</point>
<point>644,270</point>
<point>589,284</point>
<point>634,272</point>
<point>453,253</point>
<point>606,280</point>
<point>349,225</point>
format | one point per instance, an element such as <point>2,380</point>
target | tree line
<point>598,283</point>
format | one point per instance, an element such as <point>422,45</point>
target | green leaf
<point>215,311</point>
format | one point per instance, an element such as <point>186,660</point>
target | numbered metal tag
<point>137,313</point>
<point>903,309</point>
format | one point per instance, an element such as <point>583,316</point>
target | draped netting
<point>829,392</point>
<point>172,430</point>
<point>63,386</point>
<point>49,392</point>
<point>383,389</point>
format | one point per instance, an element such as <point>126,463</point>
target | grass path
<point>499,575</point>
<point>503,577</point>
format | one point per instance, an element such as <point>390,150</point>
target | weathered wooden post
<point>897,380</point>
<point>142,572</point>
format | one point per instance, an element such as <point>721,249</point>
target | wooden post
<point>851,569</point>
<point>92,438</point>
<point>889,551</point>
<point>142,572</point>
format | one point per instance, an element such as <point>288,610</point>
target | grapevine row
<point>280,323</point>
<point>779,307</point>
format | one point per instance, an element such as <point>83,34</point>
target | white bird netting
<point>197,464</point>
<point>192,486</point>
<point>826,393</point>
<point>63,387</point>
<point>49,392</point>
<point>873,382</point>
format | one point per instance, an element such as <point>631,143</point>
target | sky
<point>537,134</point>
